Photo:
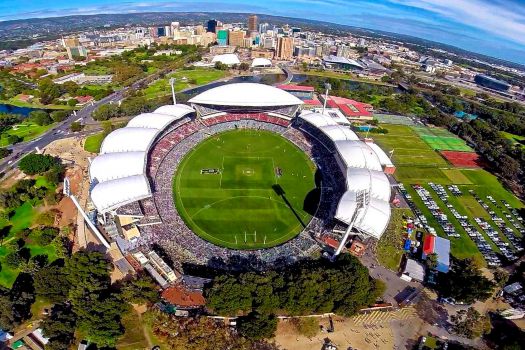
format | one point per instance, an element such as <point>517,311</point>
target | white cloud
<point>506,20</point>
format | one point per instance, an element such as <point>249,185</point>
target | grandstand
<point>133,175</point>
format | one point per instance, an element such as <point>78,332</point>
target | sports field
<point>246,189</point>
<point>441,139</point>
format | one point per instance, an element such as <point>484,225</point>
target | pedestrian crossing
<point>376,317</point>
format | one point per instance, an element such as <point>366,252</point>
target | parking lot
<point>438,208</point>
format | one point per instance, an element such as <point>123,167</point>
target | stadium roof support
<point>119,172</point>
<point>357,154</point>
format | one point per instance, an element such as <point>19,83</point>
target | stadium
<point>241,175</point>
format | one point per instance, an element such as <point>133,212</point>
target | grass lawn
<point>133,337</point>
<point>184,79</point>
<point>390,246</point>
<point>34,104</point>
<point>236,203</point>
<point>441,139</point>
<point>27,131</point>
<point>409,149</point>
<point>93,143</point>
<point>456,177</point>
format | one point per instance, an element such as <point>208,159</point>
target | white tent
<point>178,110</point>
<point>384,159</point>
<point>261,62</point>
<point>228,59</point>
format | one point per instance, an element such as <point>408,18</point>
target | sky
<point>492,27</point>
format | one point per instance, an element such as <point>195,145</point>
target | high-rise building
<point>284,48</point>
<point>236,38</point>
<point>175,26</point>
<point>212,26</point>
<point>263,28</point>
<point>222,37</point>
<point>199,30</point>
<point>167,31</point>
<point>70,42</point>
<point>252,23</point>
<point>76,51</point>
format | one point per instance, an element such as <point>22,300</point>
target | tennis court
<point>441,140</point>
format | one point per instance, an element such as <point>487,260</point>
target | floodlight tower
<point>172,84</point>
<point>363,198</point>
<point>328,87</point>
<point>67,193</point>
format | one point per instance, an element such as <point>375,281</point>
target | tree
<point>33,164</point>
<point>105,112</point>
<point>7,320</point>
<point>257,326</point>
<point>307,326</point>
<point>244,66</point>
<point>58,116</point>
<point>72,102</point>
<point>59,327</point>
<point>465,282</point>
<point>501,277</point>
<point>48,91</point>
<point>76,126</point>
<point>432,261</point>
<point>44,235</point>
<point>40,117</point>
<point>14,139</point>
<point>470,323</point>
<point>14,259</point>
<point>140,290</point>
<point>316,287</point>
<point>4,152</point>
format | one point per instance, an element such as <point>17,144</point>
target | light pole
<point>172,84</point>
<point>328,87</point>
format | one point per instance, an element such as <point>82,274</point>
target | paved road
<point>62,129</point>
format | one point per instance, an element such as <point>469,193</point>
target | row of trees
<point>200,334</point>
<point>131,106</point>
<point>83,298</point>
<point>308,287</point>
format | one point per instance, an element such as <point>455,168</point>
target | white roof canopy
<point>246,94</point>
<point>339,133</point>
<point>178,110</point>
<point>128,140</point>
<point>373,218</point>
<point>317,119</point>
<point>373,181</point>
<point>151,121</point>
<point>112,166</point>
<point>357,154</point>
<point>113,194</point>
<point>384,159</point>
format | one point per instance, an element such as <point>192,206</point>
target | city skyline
<point>493,28</point>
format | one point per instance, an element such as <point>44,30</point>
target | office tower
<point>175,26</point>
<point>284,48</point>
<point>212,26</point>
<point>263,28</point>
<point>252,23</point>
<point>236,38</point>
<point>167,31</point>
<point>199,30</point>
<point>222,37</point>
<point>70,42</point>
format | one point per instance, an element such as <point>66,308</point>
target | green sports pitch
<point>246,189</point>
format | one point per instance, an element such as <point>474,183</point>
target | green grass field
<point>390,246</point>
<point>246,204</point>
<point>441,139</point>
<point>409,149</point>
<point>184,79</point>
<point>27,131</point>
<point>93,143</point>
